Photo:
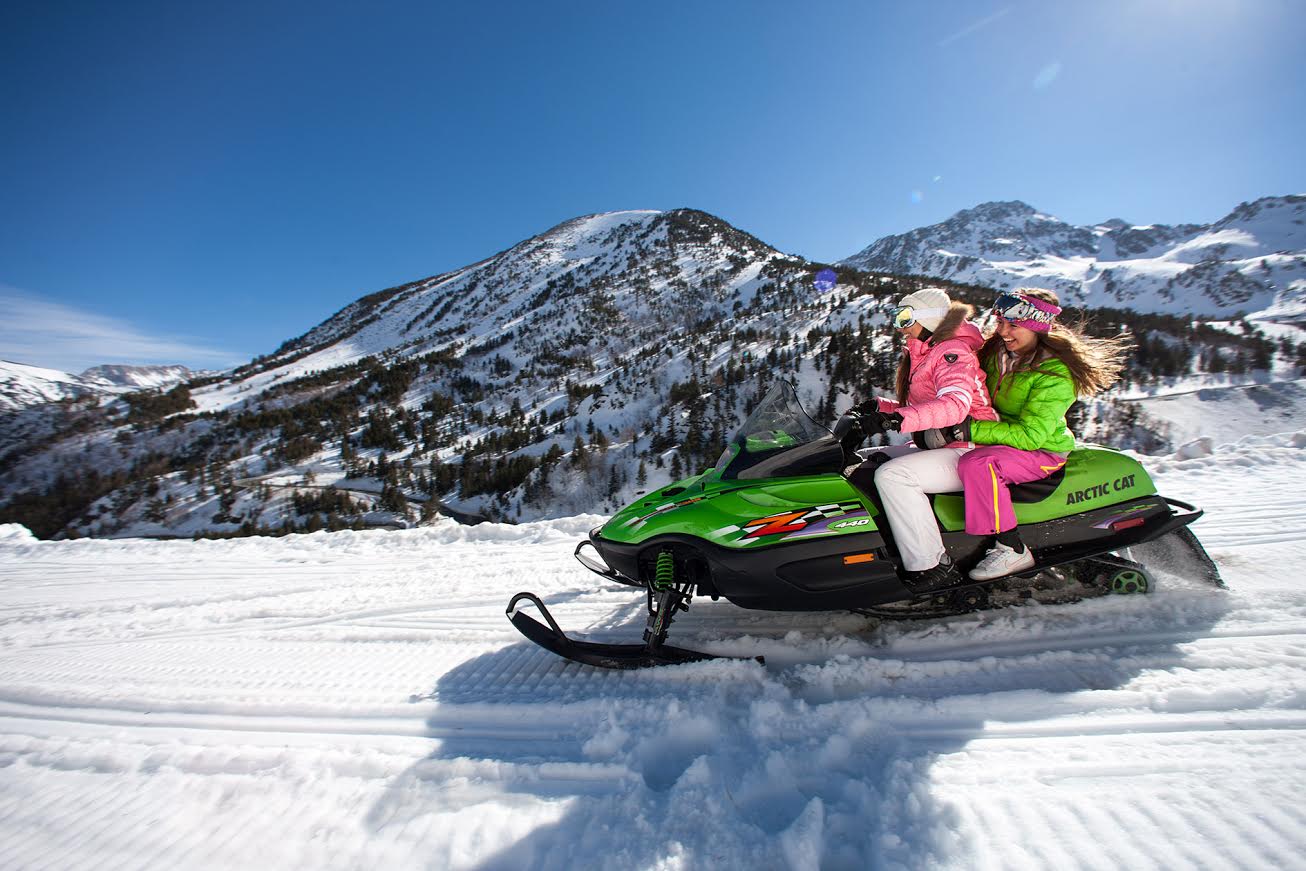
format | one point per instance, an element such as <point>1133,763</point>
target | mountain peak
<point>998,210</point>
<point>587,226</point>
<point>1259,208</point>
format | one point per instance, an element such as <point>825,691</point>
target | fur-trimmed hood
<point>956,325</point>
<point>939,381</point>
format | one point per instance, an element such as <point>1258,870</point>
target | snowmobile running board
<point>624,656</point>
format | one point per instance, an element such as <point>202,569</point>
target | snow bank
<point>15,533</point>
<point>1203,447</point>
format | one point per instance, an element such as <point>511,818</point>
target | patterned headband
<point>1026,311</point>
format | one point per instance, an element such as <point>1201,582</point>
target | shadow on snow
<point>821,759</point>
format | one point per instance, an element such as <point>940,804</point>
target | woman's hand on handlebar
<point>876,422</point>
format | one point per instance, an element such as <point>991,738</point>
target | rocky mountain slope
<point>1251,262</point>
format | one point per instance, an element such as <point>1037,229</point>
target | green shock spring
<point>665,576</point>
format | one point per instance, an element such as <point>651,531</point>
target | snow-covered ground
<point>359,700</point>
<point>1226,414</point>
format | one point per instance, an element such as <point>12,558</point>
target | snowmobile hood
<point>745,513</point>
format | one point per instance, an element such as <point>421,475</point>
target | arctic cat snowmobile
<point>776,525</point>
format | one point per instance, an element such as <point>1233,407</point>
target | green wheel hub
<point>1127,581</point>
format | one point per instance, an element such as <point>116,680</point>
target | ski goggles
<point>1026,311</point>
<point>904,316</point>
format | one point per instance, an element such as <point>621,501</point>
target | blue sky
<point>186,182</point>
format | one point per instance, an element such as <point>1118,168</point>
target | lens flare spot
<point>1047,75</point>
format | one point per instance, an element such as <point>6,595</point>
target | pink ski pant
<point>982,473</point>
<point>986,474</point>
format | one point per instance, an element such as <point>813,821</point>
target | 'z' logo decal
<point>807,520</point>
<point>775,524</point>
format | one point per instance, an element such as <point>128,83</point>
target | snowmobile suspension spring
<point>665,575</point>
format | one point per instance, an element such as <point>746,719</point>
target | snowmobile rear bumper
<point>1147,529</point>
<point>623,656</point>
<point>1191,513</point>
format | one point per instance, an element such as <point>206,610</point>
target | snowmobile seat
<point>1033,491</point>
<point>1037,491</point>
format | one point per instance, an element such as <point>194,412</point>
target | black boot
<point>945,574</point>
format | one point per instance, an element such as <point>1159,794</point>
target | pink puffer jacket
<point>947,383</point>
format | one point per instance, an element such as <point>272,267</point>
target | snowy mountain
<point>22,385</point>
<point>596,361</point>
<point>1251,262</point>
<point>464,390</point>
<point>137,377</point>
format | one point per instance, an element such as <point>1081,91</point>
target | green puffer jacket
<point>1032,405</point>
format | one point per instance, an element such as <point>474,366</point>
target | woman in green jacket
<point>1035,368</point>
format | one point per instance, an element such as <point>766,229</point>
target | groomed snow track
<point>358,700</point>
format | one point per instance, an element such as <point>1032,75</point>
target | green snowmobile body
<point>751,513</point>
<point>777,525</point>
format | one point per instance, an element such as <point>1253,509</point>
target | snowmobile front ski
<point>652,652</point>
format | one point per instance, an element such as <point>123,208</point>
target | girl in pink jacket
<point>940,388</point>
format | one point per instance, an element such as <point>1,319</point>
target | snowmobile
<point>777,525</point>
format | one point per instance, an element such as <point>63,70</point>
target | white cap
<point>929,306</point>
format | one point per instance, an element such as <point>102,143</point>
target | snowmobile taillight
<point>1128,524</point>
<point>854,558</point>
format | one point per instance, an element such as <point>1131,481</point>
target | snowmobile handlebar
<point>849,432</point>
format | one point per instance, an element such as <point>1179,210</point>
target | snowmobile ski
<point>621,656</point>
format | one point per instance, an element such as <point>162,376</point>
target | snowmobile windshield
<point>778,424</point>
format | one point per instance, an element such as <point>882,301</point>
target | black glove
<point>877,422</point>
<point>958,432</point>
<point>866,406</point>
<point>877,459</point>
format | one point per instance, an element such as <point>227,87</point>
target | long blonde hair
<point>1094,363</point>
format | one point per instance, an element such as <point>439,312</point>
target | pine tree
<point>579,456</point>
<point>154,511</point>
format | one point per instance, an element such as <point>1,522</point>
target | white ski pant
<point>903,483</point>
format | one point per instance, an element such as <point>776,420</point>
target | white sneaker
<point>1002,560</point>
